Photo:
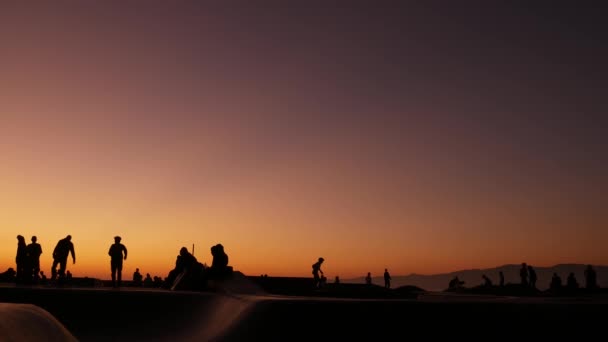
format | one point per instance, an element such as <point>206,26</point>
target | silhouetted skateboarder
<point>116,254</point>
<point>316,269</point>
<point>60,256</point>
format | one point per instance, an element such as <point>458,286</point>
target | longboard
<point>177,280</point>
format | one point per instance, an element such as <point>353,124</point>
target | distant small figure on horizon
<point>502,279</point>
<point>148,282</point>
<point>337,280</point>
<point>532,276</point>
<point>571,282</point>
<point>21,260</point>
<point>487,282</point>
<point>117,253</point>
<point>316,269</point>
<point>34,250</point>
<point>387,279</point>
<point>556,282</point>
<point>455,283</point>
<point>368,278</point>
<point>523,274</point>
<point>137,278</point>
<point>590,278</point>
<point>60,257</point>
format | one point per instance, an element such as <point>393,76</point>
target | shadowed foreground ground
<point>157,315</point>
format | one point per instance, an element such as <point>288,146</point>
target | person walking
<point>117,253</point>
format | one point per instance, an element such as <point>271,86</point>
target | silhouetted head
<point>34,238</point>
<point>183,251</point>
<point>523,264</point>
<point>321,259</point>
<point>529,267</point>
<point>386,270</point>
<point>69,237</point>
<point>117,239</point>
<point>219,248</point>
<point>137,270</point>
<point>20,238</point>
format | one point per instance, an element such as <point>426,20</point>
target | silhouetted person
<point>590,278</point>
<point>219,265</point>
<point>455,283</point>
<point>21,260</point>
<point>34,250</point>
<point>486,281</point>
<point>137,278</point>
<point>368,278</point>
<point>337,281</point>
<point>387,279</point>
<point>532,276</point>
<point>523,274</point>
<point>571,282</point>
<point>148,282</point>
<point>556,282</point>
<point>8,275</point>
<point>117,253</point>
<point>60,256</point>
<point>316,269</point>
<point>188,269</point>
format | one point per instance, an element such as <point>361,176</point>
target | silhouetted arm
<point>73,254</point>
<point>125,250</point>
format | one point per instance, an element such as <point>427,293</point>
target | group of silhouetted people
<point>571,282</point>
<point>319,279</point>
<point>187,269</point>
<point>528,279</point>
<point>28,260</point>
<point>190,274</point>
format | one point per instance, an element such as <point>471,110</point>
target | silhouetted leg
<point>62,266</point>
<point>113,275</point>
<point>119,268</point>
<point>54,269</point>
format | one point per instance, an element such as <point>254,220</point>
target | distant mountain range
<point>472,278</point>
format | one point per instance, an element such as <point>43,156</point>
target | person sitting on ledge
<point>219,265</point>
<point>455,283</point>
<point>8,275</point>
<point>188,274</point>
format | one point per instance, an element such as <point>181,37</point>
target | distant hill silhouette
<point>472,278</point>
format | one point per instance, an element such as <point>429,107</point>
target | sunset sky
<point>418,139</point>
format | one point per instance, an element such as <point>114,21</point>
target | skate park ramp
<point>30,323</point>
